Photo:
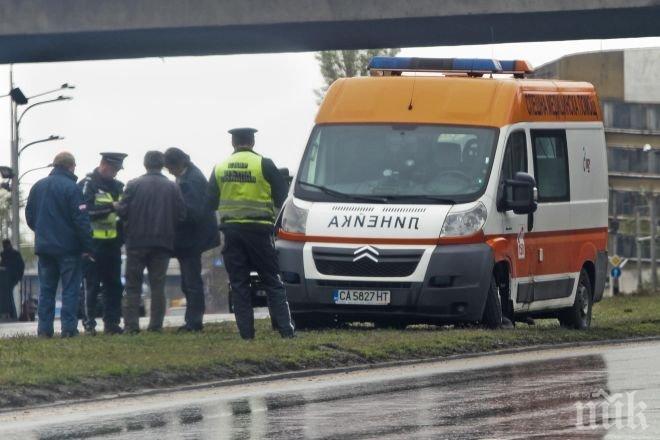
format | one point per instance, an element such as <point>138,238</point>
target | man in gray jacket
<point>151,207</point>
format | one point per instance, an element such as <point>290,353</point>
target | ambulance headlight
<point>294,218</point>
<point>459,223</point>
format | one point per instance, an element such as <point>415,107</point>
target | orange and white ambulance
<point>449,190</point>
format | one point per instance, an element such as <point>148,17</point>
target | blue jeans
<point>52,268</point>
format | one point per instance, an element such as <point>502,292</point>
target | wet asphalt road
<point>520,396</point>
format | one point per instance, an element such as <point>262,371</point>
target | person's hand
<point>115,205</point>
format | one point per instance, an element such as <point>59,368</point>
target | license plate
<point>362,297</point>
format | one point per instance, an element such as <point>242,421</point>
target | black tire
<point>390,323</point>
<point>578,317</point>
<point>492,317</point>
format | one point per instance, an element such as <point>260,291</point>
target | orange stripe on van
<point>293,236</point>
<point>563,251</point>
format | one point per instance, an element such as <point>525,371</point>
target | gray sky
<point>191,102</point>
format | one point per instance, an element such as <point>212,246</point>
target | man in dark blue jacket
<point>198,233</point>
<point>56,213</point>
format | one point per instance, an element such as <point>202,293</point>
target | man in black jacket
<point>151,208</point>
<point>101,192</point>
<point>56,213</point>
<point>198,233</point>
<point>13,263</point>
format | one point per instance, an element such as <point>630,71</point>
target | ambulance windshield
<point>397,163</point>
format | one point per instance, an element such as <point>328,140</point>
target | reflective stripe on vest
<point>104,228</point>
<point>245,194</point>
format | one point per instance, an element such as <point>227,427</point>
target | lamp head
<point>18,96</point>
<point>6,172</point>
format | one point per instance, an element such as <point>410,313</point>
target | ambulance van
<point>448,191</point>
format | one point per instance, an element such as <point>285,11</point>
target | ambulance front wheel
<point>492,317</point>
<point>578,317</point>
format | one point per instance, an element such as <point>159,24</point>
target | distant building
<point>629,90</point>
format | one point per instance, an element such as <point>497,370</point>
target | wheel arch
<point>590,267</point>
<point>502,273</point>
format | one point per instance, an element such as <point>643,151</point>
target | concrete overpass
<point>57,30</point>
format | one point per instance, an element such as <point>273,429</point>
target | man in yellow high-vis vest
<point>248,191</point>
<point>101,191</point>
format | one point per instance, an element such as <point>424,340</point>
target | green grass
<point>88,365</point>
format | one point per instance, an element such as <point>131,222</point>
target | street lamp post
<point>50,138</point>
<point>15,191</point>
<point>48,101</point>
<point>18,98</point>
<point>34,169</point>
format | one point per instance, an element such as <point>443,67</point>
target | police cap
<point>243,135</point>
<point>115,159</point>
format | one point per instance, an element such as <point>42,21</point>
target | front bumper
<point>454,288</point>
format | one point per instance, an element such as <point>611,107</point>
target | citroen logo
<point>366,252</point>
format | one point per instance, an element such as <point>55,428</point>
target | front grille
<point>391,262</point>
<point>365,268</point>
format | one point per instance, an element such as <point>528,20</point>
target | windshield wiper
<point>439,199</point>
<point>342,195</point>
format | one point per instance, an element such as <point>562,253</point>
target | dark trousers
<point>53,269</point>
<point>193,288</point>
<point>104,276</point>
<point>12,304</point>
<point>155,260</point>
<point>247,250</point>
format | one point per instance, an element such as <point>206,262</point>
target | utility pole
<point>638,248</point>
<point>654,264</point>
<point>17,97</point>
<point>15,202</point>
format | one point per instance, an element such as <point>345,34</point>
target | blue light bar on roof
<point>459,65</point>
<point>476,65</point>
<point>516,66</point>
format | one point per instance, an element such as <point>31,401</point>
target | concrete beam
<point>55,30</point>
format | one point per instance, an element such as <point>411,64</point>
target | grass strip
<point>36,370</point>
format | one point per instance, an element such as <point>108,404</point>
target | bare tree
<point>336,64</point>
<point>5,212</point>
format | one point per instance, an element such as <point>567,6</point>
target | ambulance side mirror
<point>518,194</point>
<point>286,174</point>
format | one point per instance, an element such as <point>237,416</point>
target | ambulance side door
<point>551,237</point>
<point>514,226</point>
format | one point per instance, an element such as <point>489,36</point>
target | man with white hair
<point>63,235</point>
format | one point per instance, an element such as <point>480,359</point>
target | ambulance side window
<point>551,165</point>
<point>515,155</point>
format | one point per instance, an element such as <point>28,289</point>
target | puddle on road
<point>514,401</point>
